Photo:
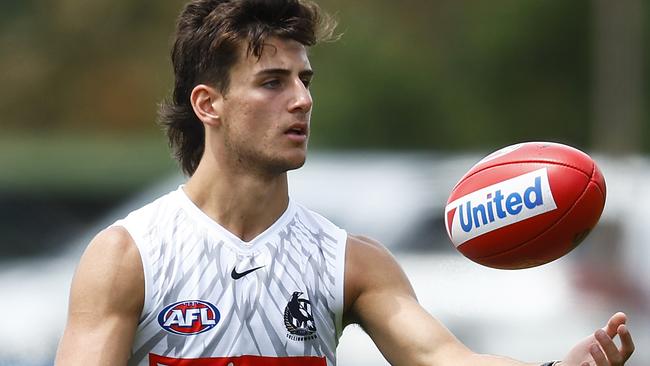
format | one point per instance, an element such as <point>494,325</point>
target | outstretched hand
<point>599,348</point>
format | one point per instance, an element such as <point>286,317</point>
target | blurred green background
<point>81,82</point>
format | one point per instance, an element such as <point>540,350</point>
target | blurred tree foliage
<point>446,74</point>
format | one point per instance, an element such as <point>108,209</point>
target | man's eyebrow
<point>284,72</point>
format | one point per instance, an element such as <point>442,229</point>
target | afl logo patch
<point>298,319</point>
<point>189,317</point>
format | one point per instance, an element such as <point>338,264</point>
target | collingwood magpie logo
<point>298,319</point>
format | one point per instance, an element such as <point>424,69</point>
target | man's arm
<point>379,297</point>
<point>106,300</point>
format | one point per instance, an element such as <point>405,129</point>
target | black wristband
<point>550,363</point>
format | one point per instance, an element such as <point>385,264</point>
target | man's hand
<point>599,348</point>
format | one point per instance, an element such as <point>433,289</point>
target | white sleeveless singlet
<point>213,300</point>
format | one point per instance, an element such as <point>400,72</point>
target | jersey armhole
<point>340,282</point>
<point>146,267</point>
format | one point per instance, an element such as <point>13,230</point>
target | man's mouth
<point>299,129</point>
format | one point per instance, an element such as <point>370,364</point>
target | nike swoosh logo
<point>236,275</point>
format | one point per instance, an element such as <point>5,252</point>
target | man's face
<point>267,108</point>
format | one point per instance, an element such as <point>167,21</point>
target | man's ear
<point>207,103</point>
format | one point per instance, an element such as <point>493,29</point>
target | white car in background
<point>533,315</point>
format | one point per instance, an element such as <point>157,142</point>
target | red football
<point>525,205</point>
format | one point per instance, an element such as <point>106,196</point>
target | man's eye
<point>306,82</point>
<point>271,84</point>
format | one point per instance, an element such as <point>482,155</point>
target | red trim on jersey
<point>155,360</point>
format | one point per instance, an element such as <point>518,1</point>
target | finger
<point>598,355</point>
<point>614,322</point>
<point>609,347</point>
<point>627,345</point>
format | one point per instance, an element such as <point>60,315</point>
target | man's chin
<point>297,159</point>
<point>288,163</point>
<point>296,163</point>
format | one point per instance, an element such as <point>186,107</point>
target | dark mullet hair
<point>209,34</point>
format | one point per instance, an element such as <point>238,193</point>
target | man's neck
<point>244,204</point>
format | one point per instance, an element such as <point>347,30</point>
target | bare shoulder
<point>113,250</point>
<point>106,301</point>
<point>113,241</point>
<point>113,238</point>
<point>360,247</point>
<point>367,255</point>
<point>370,270</point>
<point>367,258</point>
<point>110,273</point>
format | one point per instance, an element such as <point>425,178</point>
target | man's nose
<point>302,101</point>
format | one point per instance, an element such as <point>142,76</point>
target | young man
<point>227,269</point>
